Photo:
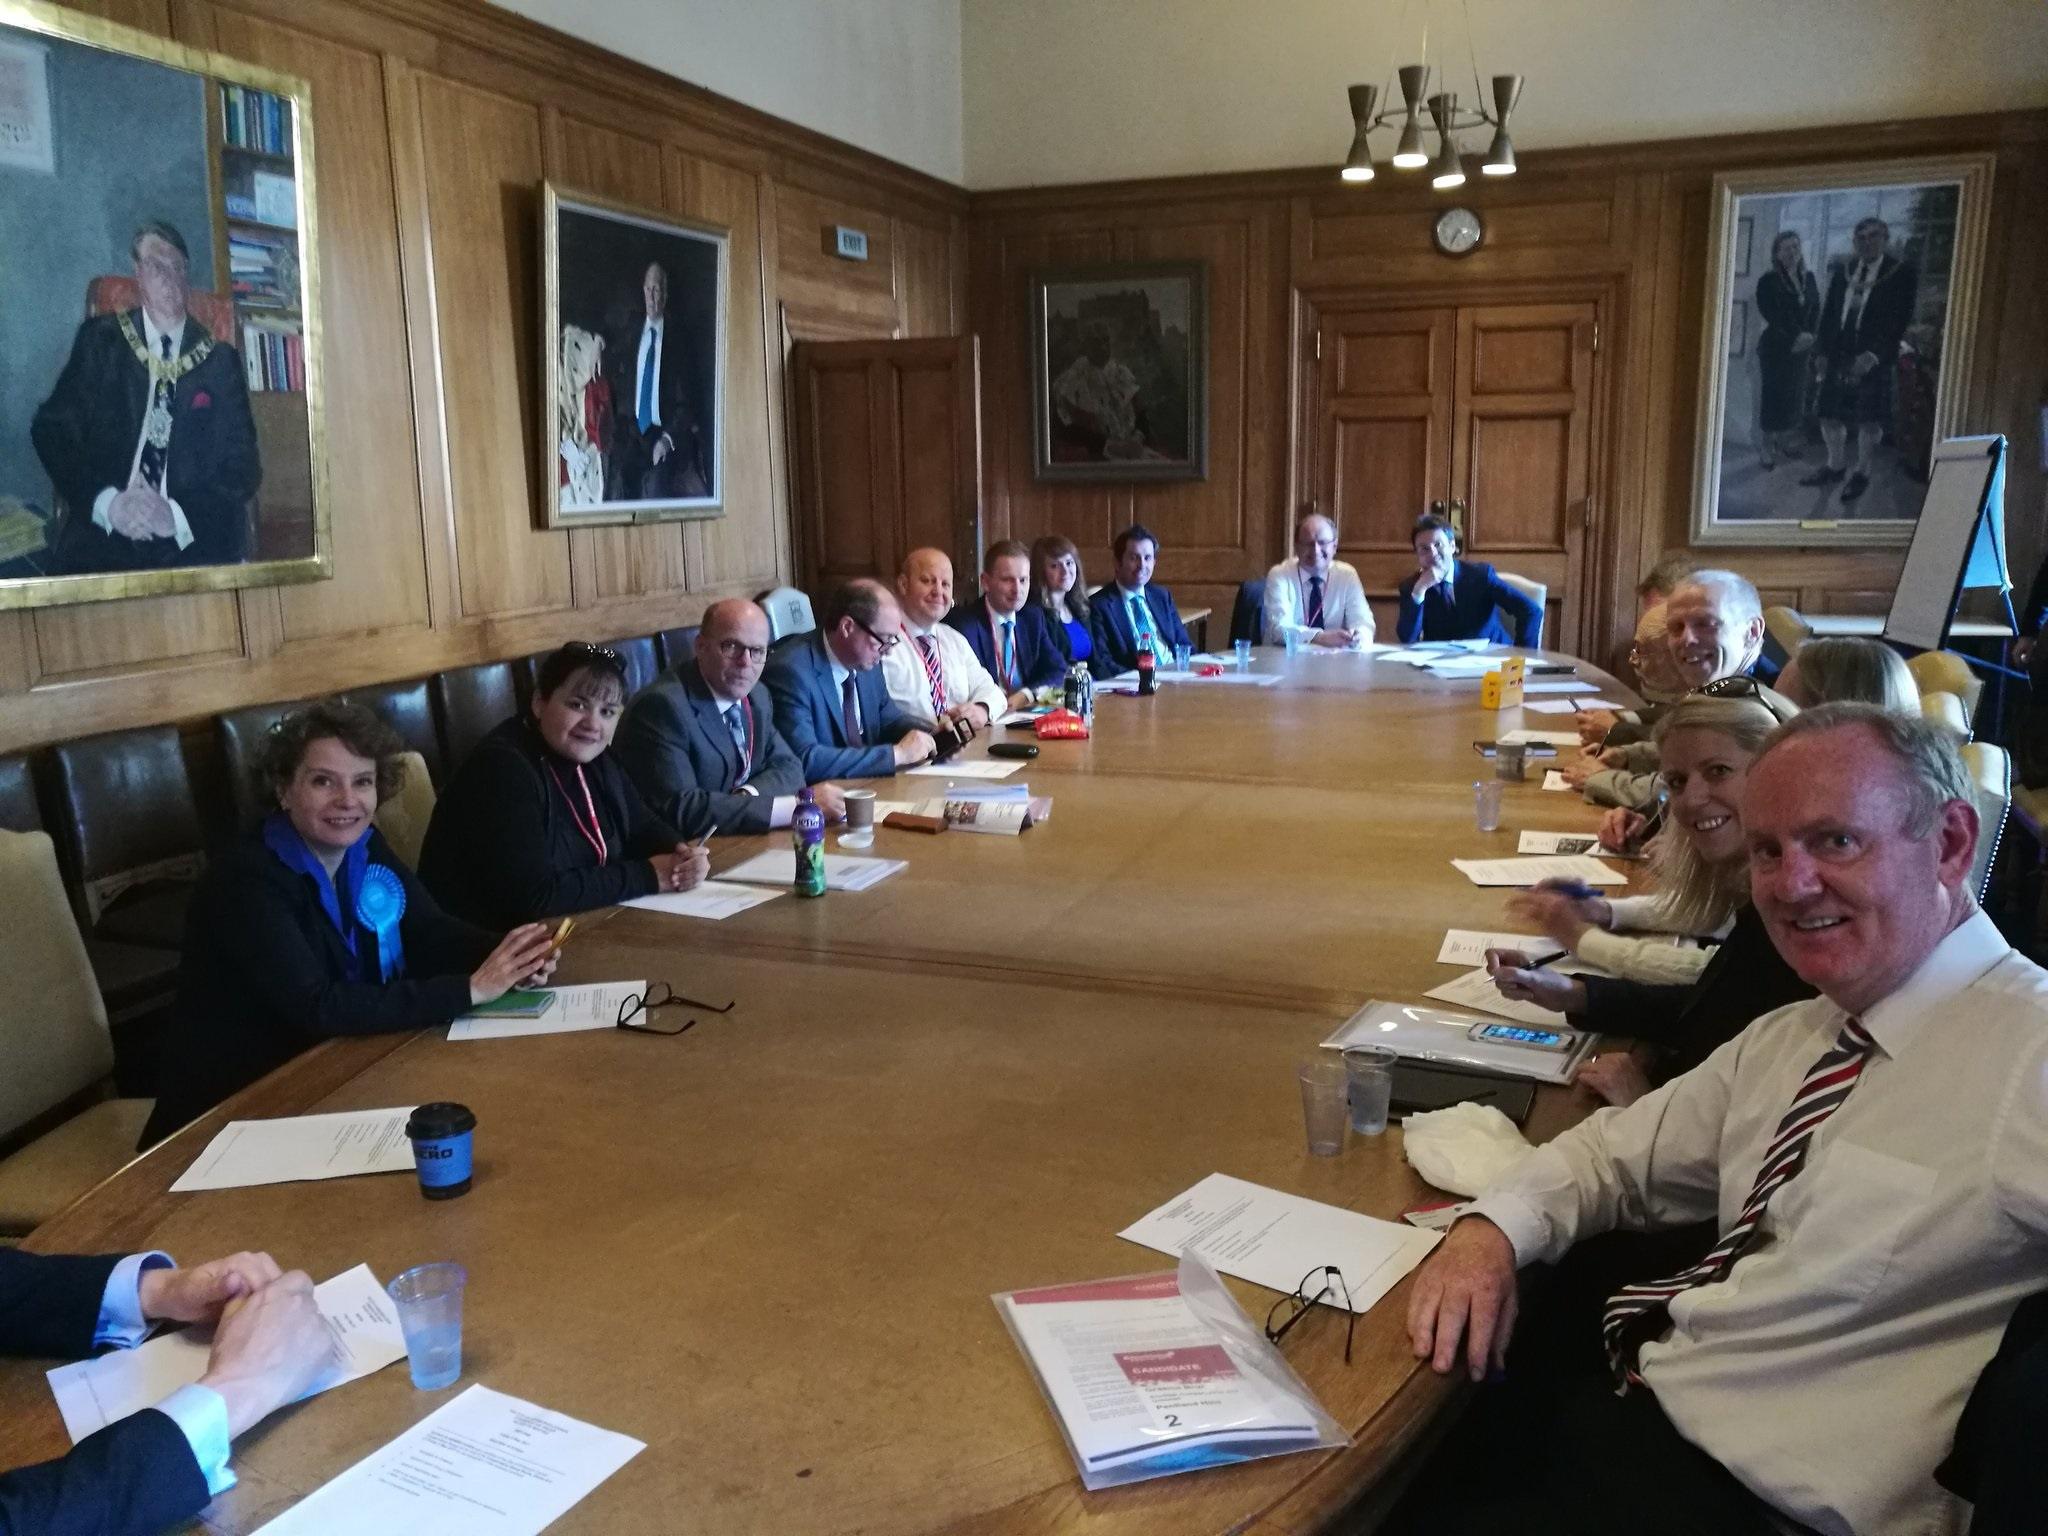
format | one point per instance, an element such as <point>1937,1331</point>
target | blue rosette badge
<point>380,903</point>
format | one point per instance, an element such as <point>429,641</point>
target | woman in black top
<point>1788,299</point>
<point>313,927</point>
<point>541,820</point>
<point>1707,741</point>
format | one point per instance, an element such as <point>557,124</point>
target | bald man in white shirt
<point>934,675</point>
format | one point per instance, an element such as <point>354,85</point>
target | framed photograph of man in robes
<point>1119,379</point>
<point>161,405</point>
<point>634,329</point>
<point>1841,308</point>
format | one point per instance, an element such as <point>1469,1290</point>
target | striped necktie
<point>934,676</point>
<point>1639,1312</point>
<point>1314,617</point>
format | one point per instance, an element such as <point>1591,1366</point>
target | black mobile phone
<point>1529,749</point>
<point>1012,749</point>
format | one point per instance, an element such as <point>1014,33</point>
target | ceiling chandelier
<point>1411,152</point>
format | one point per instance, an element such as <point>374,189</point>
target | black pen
<point>1537,965</point>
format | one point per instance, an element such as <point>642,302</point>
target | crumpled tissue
<point>1463,1148</point>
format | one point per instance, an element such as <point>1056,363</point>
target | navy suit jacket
<point>1476,591</point>
<point>134,1476</point>
<point>674,744</point>
<point>807,709</point>
<point>1041,661</point>
<point>1110,624</point>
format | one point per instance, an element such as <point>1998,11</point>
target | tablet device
<point>1419,1087</point>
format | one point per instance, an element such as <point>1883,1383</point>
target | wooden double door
<point>1480,412</point>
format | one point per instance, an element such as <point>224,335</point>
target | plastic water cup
<point>1486,804</point>
<point>1183,658</point>
<point>1293,638</point>
<point>1244,654</point>
<point>1323,1096</point>
<point>429,1300</point>
<point>1370,1069</point>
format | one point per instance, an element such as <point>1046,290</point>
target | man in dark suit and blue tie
<point>700,741</point>
<point>830,701</point>
<point>1130,613</point>
<point>157,1468</point>
<point>1452,599</point>
<point>1010,637</point>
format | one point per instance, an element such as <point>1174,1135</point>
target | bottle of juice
<point>807,833</point>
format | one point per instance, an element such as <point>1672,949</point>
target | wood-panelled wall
<point>1624,227</point>
<point>436,122</point>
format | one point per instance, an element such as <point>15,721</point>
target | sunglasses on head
<point>1743,686</point>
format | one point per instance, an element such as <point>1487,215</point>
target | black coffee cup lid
<point>431,1122</point>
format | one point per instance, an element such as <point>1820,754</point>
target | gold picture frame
<point>254,137</point>
<point>630,297</point>
<point>1806,438</point>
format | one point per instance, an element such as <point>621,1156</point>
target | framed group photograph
<point>1119,378</point>
<point>1841,307</point>
<point>160,404</point>
<point>634,330</point>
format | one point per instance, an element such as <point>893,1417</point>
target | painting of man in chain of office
<point>635,344</point>
<point>1120,363</point>
<point>1840,316</point>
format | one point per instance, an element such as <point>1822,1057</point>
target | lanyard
<point>593,834</point>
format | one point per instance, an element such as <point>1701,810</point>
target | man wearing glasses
<point>700,741</point>
<point>834,709</point>
<point>934,674</point>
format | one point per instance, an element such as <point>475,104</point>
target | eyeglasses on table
<point>641,1005</point>
<point>1317,1288</point>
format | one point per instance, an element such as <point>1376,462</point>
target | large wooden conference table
<point>766,1247</point>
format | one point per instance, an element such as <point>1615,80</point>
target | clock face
<point>1458,231</point>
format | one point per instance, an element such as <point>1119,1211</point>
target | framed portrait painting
<point>161,401</point>
<point>1841,307</point>
<point>1119,379</point>
<point>634,331</point>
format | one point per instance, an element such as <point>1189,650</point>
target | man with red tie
<point>1872,1160</point>
<point>935,675</point>
<point>1011,638</point>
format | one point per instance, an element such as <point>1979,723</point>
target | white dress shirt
<point>153,338</point>
<point>1826,1371</point>
<point>1344,605</point>
<point>200,1413</point>
<point>964,680</point>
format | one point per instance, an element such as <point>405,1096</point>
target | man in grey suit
<point>700,741</point>
<point>830,700</point>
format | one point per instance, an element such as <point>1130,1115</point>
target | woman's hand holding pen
<point>1530,981</point>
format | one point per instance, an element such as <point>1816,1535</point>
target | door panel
<point>888,452</point>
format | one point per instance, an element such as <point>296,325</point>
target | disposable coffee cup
<point>860,819</point>
<point>440,1136</point>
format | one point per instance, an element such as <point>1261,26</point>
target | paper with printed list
<point>1468,946</point>
<point>484,1464</point>
<point>1476,990</point>
<point>1577,866</point>
<point>95,1393</point>
<point>1272,1238</point>
<point>595,1005</point>
<point>843,871</point>
<point>284,1151</point>
<point>713,900</point>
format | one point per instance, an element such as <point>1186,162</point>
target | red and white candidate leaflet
<point>1161,1373</point>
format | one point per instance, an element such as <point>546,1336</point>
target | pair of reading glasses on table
<point>636,1010</point>
<point>1319,1287</point>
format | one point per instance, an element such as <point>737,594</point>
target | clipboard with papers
<point>1449,1037</point>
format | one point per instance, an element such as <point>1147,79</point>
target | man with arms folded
<point>1873,1159</point>
<point>1012,639</point>
<point>157,1468</point>
<point>700,741</point>
<point>1130,614</point>
<point>1314,595</point>
<point>829,699</point>
<point>934,675</point>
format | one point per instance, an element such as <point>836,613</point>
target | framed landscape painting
<point>1119,380</point>
<point>1841,308</point>
<point>160,401</point>
<point>634,330</point>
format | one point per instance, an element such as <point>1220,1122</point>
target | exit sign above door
<point>850,243</point>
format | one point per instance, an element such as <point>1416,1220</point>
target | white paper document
<point>1415,658</point>
<point>483,1465</point>
<point>980,768</point>
<point>1553,685</point>
<point>1468,946</point>
<point>1272,1238</point>
<point>714,900</point>
<point>1475,990</point>
<point>1240,679</point>
<point>594,1005</point>
<point>1549,706</point>
<point>1545,738</point>
<point>1461,666</point>
<point>337,1146</point>
<point>1535,871</point>
<point>1614,704</point>
<point>1556,782</point>
<point>95,1393</point>
<point>1563,842</point>
<point>843,871</point>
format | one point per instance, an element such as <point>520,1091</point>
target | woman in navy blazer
<point>1476,591</point>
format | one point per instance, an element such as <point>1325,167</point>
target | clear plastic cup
<point>1370,1070</point>
<point>429,1301</point>
<point>1293,638</point>
<point>1324,1094</point>
<point>1183,658</point>
<point>1244,654</point>
<point>1486,804</point>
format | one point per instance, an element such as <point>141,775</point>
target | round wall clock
<point>1458,232</point>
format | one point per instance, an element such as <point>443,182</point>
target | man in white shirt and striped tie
<point>934,674</point>
<point>1874,1162</point>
